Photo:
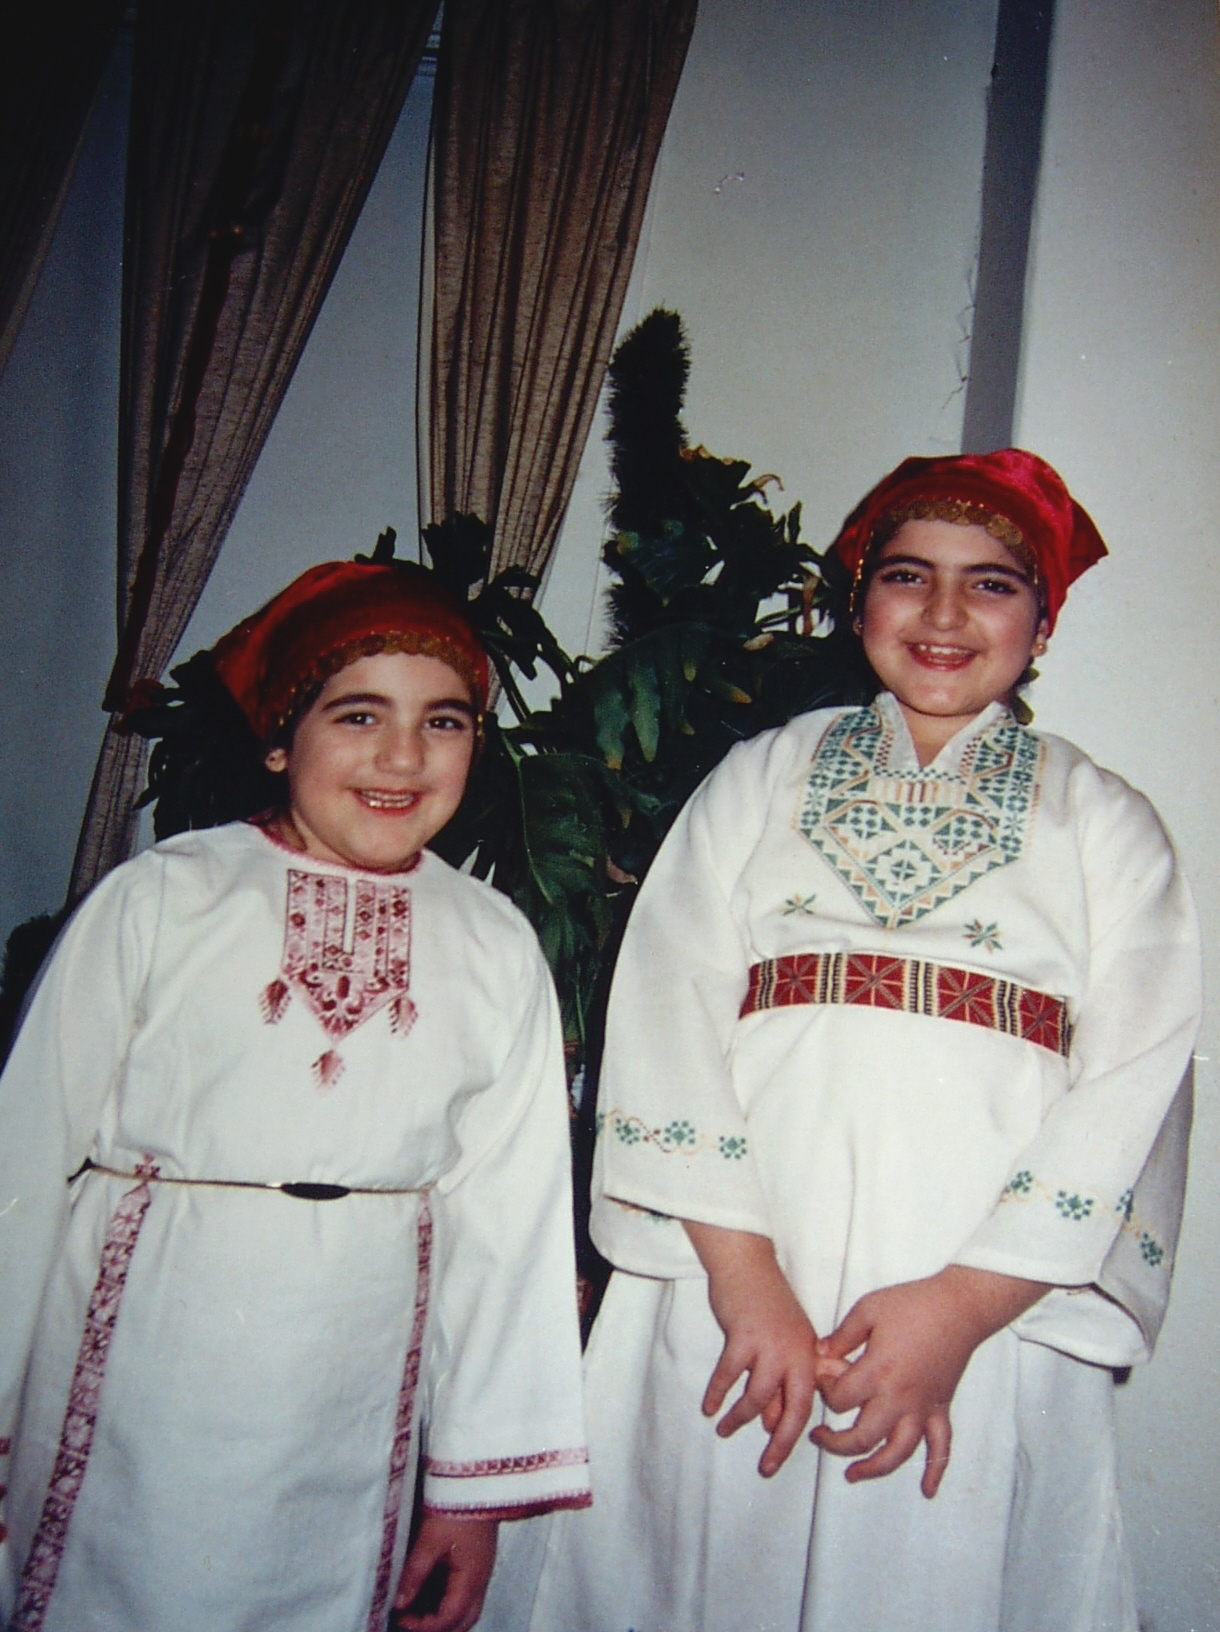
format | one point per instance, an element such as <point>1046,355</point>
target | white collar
<point>903,757</point>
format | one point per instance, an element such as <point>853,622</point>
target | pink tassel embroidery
<point>274,1001</point>
<point>403,1015</point>
<point>327,1069</point>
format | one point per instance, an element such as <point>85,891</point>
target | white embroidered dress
<point>874,1145</point>
<point>211,1396</point>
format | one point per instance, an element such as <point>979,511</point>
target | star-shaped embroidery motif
<point>985,935</point>
<point>799,904</point>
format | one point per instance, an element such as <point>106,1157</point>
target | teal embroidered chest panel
<point>904,842</point>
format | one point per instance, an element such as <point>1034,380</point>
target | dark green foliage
<point>24,952</point>
<point>206,765</point>
<point>647,387</point>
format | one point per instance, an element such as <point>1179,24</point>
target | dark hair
<point>286,730</point>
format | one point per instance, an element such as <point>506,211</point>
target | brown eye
<point>898,575</point>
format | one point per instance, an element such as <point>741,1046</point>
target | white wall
<point>814,218</point>
<point>1121,391</point>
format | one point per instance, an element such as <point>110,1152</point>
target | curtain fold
<point>548,118</point>
<point>256,129</point>
<point>54,55</point>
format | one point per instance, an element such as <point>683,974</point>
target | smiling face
<point>378,763</point>
<point>949,624</point>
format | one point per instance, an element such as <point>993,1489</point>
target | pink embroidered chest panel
<point>347,951</point>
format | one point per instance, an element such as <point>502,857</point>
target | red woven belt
<point>914,986</point>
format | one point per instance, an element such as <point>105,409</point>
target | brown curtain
<point>257,127</point>
<point>548,117</point>
<point>54,53</point>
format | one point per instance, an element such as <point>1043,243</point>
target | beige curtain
<point>54,53</point>
<point>257,127</point>
<point>548,117</point>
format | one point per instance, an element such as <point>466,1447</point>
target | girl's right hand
<point>767,1337</point>
<point>466,1547</point>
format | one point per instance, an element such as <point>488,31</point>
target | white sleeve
<point>672,1140</point>
<point>1095,1201</point>
<point>504,1428</point>
<point>64,1065</point>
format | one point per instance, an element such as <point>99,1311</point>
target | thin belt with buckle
<point>303,1190</point>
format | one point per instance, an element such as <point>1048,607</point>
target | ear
<point>1042,635</point>
<point>277,760</point>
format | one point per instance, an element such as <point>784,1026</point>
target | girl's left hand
<point>467,1549</point>
<point>916,1339</point>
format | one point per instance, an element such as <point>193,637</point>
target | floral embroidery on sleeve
<point>678,1135</point>
<point>1074,1209</point>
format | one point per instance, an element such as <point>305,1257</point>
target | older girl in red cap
<point>307,1081</point>
<point>888,1110</point>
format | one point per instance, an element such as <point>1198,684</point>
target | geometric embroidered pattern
<point>906,842</point>
<point>80,1418</point>
<point>492,1467</point>
<point>347,952</point>
<point>347,945</point>
<point>914,986</point>
<point>403,1424</point>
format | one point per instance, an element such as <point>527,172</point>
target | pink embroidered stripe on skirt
<point>404,1422</point>
<point>76,1437</point>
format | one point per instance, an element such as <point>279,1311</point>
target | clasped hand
<point>914,1342</point>
<point>896,1359</point>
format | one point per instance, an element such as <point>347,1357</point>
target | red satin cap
<point>329,617</point>
<point>1019,486</point>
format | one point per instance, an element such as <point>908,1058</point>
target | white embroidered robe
<point>875,1146</point>
<point>211,1397</point>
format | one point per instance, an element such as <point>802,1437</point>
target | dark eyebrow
<point>982,566</point>
<point>461,704</point>
<point>375,699</point>
<point>350,699</point>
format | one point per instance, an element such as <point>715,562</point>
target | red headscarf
<point>1018,486</point>
<point>329,617</point>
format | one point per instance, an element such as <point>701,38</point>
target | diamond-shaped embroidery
<point>965,830</point>
<point>903,868</point>
<point>865,821</point>
<point>916,816</point>
<point>952,827</point>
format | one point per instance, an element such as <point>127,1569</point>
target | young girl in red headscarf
<point>889,1109</point>
<point>284,1180</point>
